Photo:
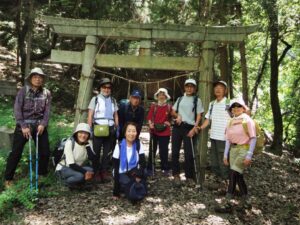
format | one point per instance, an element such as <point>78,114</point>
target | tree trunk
<point>244,72</point>
<point>224,65</point>
<point>272,11</point>
<point>29,36</point>
<point>231,63</point>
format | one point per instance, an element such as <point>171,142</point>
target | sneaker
<point>105,176</point>
<point>8,184</point>
<point>226,208</point>
<point>150,173</point>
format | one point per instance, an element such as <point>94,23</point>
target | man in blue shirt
<point>132,112</point>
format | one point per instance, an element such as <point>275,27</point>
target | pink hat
<point>239,101</point>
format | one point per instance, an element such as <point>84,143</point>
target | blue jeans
<point>71,177</point>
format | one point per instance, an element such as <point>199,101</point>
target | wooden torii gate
<point>206,36</point>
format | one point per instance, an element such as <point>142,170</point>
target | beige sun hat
<point>35,70</point>
<point>165,91</point>
<point>82,127</point>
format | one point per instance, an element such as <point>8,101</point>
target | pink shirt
<point>235,132</point>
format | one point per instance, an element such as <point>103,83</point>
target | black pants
<point>163,143</point>
<point>237,178</point>
<point>179,134</point>
<point>19,142</point>
<point>108,145</point>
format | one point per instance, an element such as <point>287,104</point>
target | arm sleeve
<point>251,128</point>
<point>142,118</point>
<point>227,147</point>
<point>116,188</point>
<point>150,113</point>
<point>77,168</point>
<point>92,157</point>
<point>252,144</point>
<point>46,116</point>
<point>68,151</point>
<point>18,107</point>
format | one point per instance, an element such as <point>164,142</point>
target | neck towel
<point>123,156</point>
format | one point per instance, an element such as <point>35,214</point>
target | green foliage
<point>60,125</point>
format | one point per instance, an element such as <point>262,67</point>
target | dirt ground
<point>274,189</point>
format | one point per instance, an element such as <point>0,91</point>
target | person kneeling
<point>129,164</point>
<point>78,149</point>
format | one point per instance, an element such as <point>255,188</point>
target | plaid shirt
<point>32,106</point>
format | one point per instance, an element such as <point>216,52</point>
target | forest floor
<point>274,190</point>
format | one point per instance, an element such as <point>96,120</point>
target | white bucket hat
<point>165,91</point>
<point>83,127</point>
<point>35,70</point>
<point>190,81</point>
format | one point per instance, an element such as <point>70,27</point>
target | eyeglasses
<point>106,87</point>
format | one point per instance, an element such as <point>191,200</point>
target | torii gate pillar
<point>205,90</point>
<point>86,79</point>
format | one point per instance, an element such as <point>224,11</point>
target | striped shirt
<point>219,119</point>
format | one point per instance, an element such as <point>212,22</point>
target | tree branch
<point>287,48</point>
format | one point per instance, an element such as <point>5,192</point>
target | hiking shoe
<point>226,208</point>
<point>246,202</point>
<point>105,176</point>
<point>150,173</point>
<point>8,184</point>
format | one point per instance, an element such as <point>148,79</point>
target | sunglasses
<point>236,106</point>
<point>106,87</point>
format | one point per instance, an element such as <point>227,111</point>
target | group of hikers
<point>113,129</point>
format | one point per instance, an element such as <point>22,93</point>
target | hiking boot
<point>105,176</point>
<point>8,184</point>
<point>150,172</point>
<point>246,202</point>
<point>226,208</point>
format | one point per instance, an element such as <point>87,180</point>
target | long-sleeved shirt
<point>128,114</point>
<point>32,105</point>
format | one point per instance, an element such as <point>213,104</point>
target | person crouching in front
<point>129,164</point>
<point>78,150</point>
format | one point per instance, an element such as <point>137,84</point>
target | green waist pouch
<point>101,130</point>
<point>160,127</point>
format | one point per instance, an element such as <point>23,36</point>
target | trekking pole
<point>195,164</point>
<point>37,164</point>
<point>152,155</point>
<point>30,164</point>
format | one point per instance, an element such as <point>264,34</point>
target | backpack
<point>227,106</point>
<point>195,101</point>
<point>260,136</point>
<point>58,153</point>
